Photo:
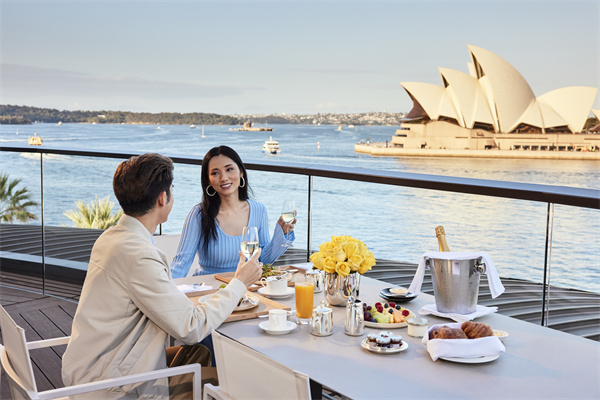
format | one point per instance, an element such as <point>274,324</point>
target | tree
<point>96,215</point>
<point>15,204</point>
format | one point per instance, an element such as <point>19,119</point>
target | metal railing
<point>551,195</point>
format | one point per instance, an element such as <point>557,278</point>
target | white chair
<point>245,373</point>
<point>169,244</point>
<point>15,361</point>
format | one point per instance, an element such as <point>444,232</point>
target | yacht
<point>271,146</point>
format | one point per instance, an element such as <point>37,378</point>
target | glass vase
<point>338,288</point>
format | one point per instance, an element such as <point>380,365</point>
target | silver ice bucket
<point>455,284</point>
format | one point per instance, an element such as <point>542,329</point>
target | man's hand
<point>249,271</point>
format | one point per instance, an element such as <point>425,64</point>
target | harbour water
<point>396,223</point>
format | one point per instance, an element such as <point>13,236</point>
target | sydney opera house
<point>493,108</point>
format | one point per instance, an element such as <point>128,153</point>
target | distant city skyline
<point>279,57</point>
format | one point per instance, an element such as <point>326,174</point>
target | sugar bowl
<point>321,323</point>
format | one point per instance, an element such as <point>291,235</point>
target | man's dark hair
<point>140,180</point>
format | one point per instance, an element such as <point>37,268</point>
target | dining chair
<point>244,373</point>
<point>16,363</point>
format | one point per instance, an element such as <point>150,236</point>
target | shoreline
<point>380,150</point>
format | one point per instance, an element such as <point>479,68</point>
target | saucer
<point>397,298</point>
<point>289,326</point>
<point>263,291</point>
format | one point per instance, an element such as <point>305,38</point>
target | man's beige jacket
<point>128,306</point>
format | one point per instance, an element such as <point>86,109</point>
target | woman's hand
<point>287,228</point>
<point>249,271</point>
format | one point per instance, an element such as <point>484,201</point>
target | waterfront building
<point>493,108</point>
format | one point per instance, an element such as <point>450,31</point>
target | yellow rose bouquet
<point>343,255</point>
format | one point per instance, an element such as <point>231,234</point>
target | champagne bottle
<point>441,237</point>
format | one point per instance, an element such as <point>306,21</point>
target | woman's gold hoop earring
<point>211,195</point>
<point>243,180</point>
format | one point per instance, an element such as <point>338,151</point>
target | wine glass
<point>249,240</point>
<point>288,213</point>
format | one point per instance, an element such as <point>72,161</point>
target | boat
<point>339,128</point>
<point>35,140</point>
<point>192,126</point>
<point>203,131</point>
<point>271,146</point>
<point>249,128</point>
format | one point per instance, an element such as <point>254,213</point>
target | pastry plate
<point>383,350</point>
<point>263,291</point>
<point>252,302</point>
<point>475,360</point>
<point>289,326</point>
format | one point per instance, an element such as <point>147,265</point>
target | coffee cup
<point>277,319</point>
<point>274,284</point>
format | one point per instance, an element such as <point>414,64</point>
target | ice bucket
<point>455,283</point>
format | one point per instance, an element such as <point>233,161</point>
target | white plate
<point>385,326</point>
<point>475,360</point>
<point>253,301</point>
<point>263,291</point>
<point>289,326</point>
<point>383,350</point>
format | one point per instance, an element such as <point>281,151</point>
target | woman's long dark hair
<point>210,204</point>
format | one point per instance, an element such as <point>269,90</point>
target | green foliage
<point>12,120</point>
<point>50,115</point>
<point>96,215</point>
<point>15,204</point>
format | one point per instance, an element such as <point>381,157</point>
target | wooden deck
<point>45,317</point>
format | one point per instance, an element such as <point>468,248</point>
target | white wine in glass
<point>249,240</point>
<point>288,213</point>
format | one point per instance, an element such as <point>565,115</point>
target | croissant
<point>445,332</point>
<point>476,330</point>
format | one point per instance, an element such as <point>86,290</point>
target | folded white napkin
<point>307,266</point>
<point>462,348</point>
<point>479,311</point>
<point>496,287</point>
<point>193,288</point>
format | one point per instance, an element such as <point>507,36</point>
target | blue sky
<point>279,56</point>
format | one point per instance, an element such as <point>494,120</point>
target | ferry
<point>35,140</point>
<point>249,128</point>
<point>271,146</point>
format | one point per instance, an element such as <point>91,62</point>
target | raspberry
<point>377,304</point>
<point>392,304</point>
<point>405,313</point>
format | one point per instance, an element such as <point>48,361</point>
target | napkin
<point>479,311</point>
<point>496,287</point>
<point>462,348</point>
<point>307,266</point>
<point>193,288</point>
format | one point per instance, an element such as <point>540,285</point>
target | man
<point>129,303</point>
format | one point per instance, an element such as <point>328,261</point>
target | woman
<point>213,228</point>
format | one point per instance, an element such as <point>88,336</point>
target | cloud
<point>19,81</point>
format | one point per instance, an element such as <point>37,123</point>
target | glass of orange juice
<point>305,294</point>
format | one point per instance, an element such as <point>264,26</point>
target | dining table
<point>538,362</point>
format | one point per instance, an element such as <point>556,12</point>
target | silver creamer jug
<point>321,323</point>
<point>355,317</point>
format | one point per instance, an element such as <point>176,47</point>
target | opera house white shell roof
<point>496,95</point>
